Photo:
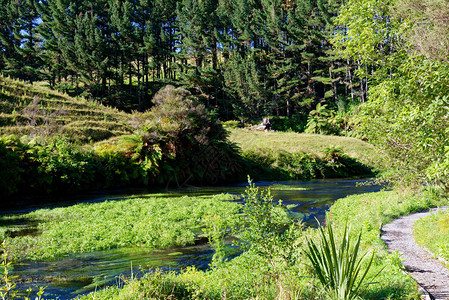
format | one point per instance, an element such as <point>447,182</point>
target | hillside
<point>35,110</point>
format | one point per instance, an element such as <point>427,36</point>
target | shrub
<point>338,267</point>
<point>232,124</point>
<point>116,168</point>
<point>192,142</point>
<point>267,231</point>
<point>10,171</point>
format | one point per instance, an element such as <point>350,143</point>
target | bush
<point>10,171</point>
<point>338,266</point>
<point>192,142</point>
<point>116,168</point>
<point>232,124</point>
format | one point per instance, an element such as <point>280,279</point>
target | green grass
<point>292,142</point>
<point>368,212</point>
<point>154,222</point>
<point>36,110</point>
<point>432,233</point>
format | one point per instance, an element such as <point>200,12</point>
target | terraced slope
<point>34,110</point>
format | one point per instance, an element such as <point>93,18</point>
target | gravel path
<point>426,270</point>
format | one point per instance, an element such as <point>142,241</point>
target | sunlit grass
<point>432,233</point>
<point>308,143</point>
<point>368,212</point>
<point>27,109</point>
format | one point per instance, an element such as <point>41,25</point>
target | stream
<point>83,273</point>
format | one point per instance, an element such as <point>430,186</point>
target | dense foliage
<point>398,43</point>
<point>246,59</point>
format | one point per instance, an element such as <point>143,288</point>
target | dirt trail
<point>421,265</point>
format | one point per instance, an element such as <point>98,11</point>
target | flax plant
<point>338,267</point>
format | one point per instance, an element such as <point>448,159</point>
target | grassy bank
<point>292,142</point>
<point>154,222</point>
<point>432,233</point>
<point>290,277</point>
<point>293,156</point>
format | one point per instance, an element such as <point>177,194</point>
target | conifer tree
<point>8,17</point>
<point>198,30</point>
<point>19,39</point>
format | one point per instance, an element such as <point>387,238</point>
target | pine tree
<point>19,39</point>
<point>8,17</point>
<point>198,30</point>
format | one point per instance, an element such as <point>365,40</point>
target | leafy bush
<point>317,121</point>
<point>56,165</point>
<point>116,168</point>
<point>10,171</point>
<point>231,124</point>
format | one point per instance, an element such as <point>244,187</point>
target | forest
<point>245,59</point>
<point>308,63</point>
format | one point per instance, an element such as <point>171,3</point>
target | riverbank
<point>114,221</point>
<point>244,277</point>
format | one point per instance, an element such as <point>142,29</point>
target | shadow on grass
<point>390,291</point>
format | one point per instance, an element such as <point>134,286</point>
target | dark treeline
<point>244,58</point>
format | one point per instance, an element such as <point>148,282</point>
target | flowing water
<point>82,273</point>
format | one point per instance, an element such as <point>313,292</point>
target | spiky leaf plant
<point>338,267</point>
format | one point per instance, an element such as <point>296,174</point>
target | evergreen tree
<point>198,29</point>
<point>8,17</point>
<point>20,42</point>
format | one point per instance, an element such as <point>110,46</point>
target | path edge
<point>424,294</point>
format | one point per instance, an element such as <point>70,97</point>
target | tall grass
<point>35,110</point>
